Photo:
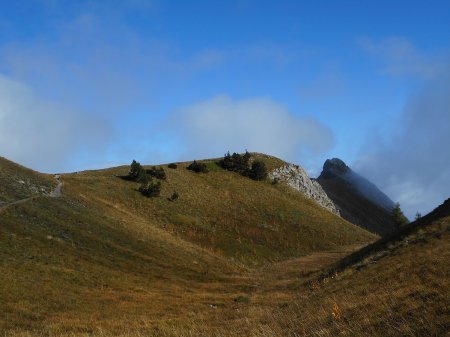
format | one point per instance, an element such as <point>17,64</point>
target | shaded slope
<point>18,182</point>
<point>417,231</point>
<point>358,200</point>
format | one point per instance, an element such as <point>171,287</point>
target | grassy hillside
<point>63,265</point>
<point>398,287</point>
<point>104,258</point>
<point>18,182</point>
<point>252,222</point>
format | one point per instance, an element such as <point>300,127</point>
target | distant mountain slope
<point>358,200</point>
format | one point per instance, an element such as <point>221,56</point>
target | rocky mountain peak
<point>334,167</point>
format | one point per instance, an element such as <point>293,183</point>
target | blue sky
<point>90,84</point>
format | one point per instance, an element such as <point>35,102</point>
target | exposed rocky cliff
<point>297,178</point>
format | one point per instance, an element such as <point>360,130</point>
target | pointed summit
<point>359,200</point>
<point>334,167</point>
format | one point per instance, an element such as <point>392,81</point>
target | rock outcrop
<point>297,178</point>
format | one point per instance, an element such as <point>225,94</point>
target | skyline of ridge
<point>92,84</point>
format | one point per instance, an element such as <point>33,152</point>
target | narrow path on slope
<point>55,193</point>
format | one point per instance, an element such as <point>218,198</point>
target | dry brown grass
<point>103,261</point>
<point>18,182</point>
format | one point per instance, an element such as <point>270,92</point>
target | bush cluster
<point>151,188</point>
<point>198,167</point>
<point>157,172</point>
<point>236,162</point>
<point>172,166</point>
<point>240,163</point>
<point>136,173</point>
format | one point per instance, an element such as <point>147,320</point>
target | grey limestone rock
<point>297,178</point>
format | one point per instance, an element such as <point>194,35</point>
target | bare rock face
<point>297,178</point>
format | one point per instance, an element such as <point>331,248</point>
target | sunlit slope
<point>103,255</point>
<point>63,263</point>
<point>234,216</point>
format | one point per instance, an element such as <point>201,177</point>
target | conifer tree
<point>398,216</point>
<point>258,170</point>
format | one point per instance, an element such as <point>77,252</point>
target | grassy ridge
<point>251,222</point>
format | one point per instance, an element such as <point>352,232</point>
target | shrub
<point>174,196</point>
<point>197,167</point>
<point>135,167</point>
<point>142,177</point>
<point>150,189</point>
<point>157,172</point>
<point>136,173</point>
<point>172,166</point>
<point>258,170</point>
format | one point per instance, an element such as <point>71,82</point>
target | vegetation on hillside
<point>146,177</point>
<point>136,173</point>
<point>231,257</point>
<point>252,222</point>
<point>198,167</point>
<point>240,163</point>
<point>398,217</point>
<point>156,172</point>
<point>151,188</point>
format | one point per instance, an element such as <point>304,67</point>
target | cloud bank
<point>259,125</point>
<point>412,166</point>
<point>41,134</point>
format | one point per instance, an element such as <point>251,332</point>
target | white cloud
<point>258,124</point>
<point>40,134</point>
<point>412,166</point>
